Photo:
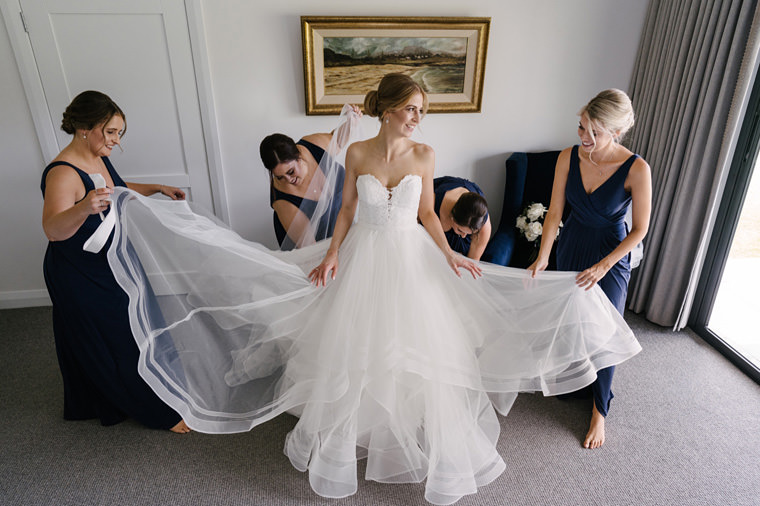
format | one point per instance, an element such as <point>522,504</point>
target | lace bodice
<point>388,207</point>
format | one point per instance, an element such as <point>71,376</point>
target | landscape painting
<point>345,57</point>
<point>353,65</point>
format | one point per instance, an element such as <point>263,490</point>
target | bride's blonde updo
<point>393,92</point>
<point>611,110</point>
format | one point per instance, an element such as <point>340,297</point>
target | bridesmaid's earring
<point>387,121</point>
<point>84,136</point>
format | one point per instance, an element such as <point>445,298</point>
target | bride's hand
<point>456,261</point>
<point>329,264</point>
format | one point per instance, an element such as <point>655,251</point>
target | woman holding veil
<point>306,180</point>
<point>392,357</point>
<point>97,355</point>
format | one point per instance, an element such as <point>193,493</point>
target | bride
<point>380,349</point>
<point>390,159</point>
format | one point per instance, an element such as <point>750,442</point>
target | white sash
<point>98,239</point>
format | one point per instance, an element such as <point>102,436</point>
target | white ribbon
<point>100,182</point>
<point>100,236</point>
<point>98,239</point>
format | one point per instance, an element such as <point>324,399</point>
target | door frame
<point>44,124</point>
<point>732,201</point>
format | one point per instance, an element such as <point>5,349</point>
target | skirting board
<point>24,298</point>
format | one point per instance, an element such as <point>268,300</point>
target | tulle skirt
<point>397,360</point>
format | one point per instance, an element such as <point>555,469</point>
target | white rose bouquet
<point>530,223</point>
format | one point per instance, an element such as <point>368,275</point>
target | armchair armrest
<point>501,247</point>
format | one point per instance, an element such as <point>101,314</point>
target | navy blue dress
<point>595,227</point>
<point>441,185</point>
<point>307,206</point>
<point>97,353</point>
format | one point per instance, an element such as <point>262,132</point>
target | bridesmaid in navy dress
<point>599,180</point>
<point>463,212</point>
<point>97,353</point>
<point>296,182</point>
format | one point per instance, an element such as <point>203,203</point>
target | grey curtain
<point>686,93</point>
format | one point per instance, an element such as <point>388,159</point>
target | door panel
<point>137,52</point>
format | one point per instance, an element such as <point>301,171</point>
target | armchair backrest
<point>529,178</point>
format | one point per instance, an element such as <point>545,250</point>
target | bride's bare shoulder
<point>423,151</point>
<point>358,148</point>
<point>356,155</point>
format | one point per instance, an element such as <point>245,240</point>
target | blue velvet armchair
<point>529,179</point>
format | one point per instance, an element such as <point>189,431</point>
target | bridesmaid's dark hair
<point>90,109</point>
<point>276,149</point>
<point>470,210</point>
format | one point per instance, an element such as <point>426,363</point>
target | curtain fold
<point>687,96</point>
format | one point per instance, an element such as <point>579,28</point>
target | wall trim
<point>24,298</point>
<point>199,50</point>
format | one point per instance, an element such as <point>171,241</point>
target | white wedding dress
<point>397,360</point>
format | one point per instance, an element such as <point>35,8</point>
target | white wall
<point>546,58</point>
<point>22,243</point>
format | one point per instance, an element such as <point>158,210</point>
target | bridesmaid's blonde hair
<point>393,92</point>
<point>610,110</point>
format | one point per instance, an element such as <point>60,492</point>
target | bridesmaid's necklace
<point>318,183</point>
<point>598,165</point>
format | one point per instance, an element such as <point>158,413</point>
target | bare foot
<point>180,428</point>
<point>595,435</point>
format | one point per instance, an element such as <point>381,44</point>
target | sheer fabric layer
<point>397,360</point>
<point>322,213</point>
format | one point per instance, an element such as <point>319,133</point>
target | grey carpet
<point>684,429</point>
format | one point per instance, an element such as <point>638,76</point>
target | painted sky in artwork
<point>362,47</point>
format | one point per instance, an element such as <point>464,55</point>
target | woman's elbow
<point>427,218</point>
<point>50,235</point>
<point>639,232</point>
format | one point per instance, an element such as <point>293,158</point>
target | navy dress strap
<point>86,179</point>
<point>316,151</point>
<point>93,221</point>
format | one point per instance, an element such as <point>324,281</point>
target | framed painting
<point>345,57</point>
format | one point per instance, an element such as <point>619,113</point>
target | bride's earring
<point>84,136</point>
<point>387,121</point>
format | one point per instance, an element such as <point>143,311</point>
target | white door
<point>138,52</point>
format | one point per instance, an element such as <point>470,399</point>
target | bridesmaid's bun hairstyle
<point>276,149</point>
<point>90,109</point>
<point>612,111</point>
<point>393,92</point>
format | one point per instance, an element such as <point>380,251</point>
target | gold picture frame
<point>345,57</point>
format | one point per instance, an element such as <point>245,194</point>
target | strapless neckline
<point>388,188</point>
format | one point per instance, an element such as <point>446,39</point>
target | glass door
<point>726,308</point>
<point>735,312</point>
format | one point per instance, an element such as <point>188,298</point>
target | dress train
<point>397,360</point>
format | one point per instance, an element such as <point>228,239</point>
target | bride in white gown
<point>395,359</point>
